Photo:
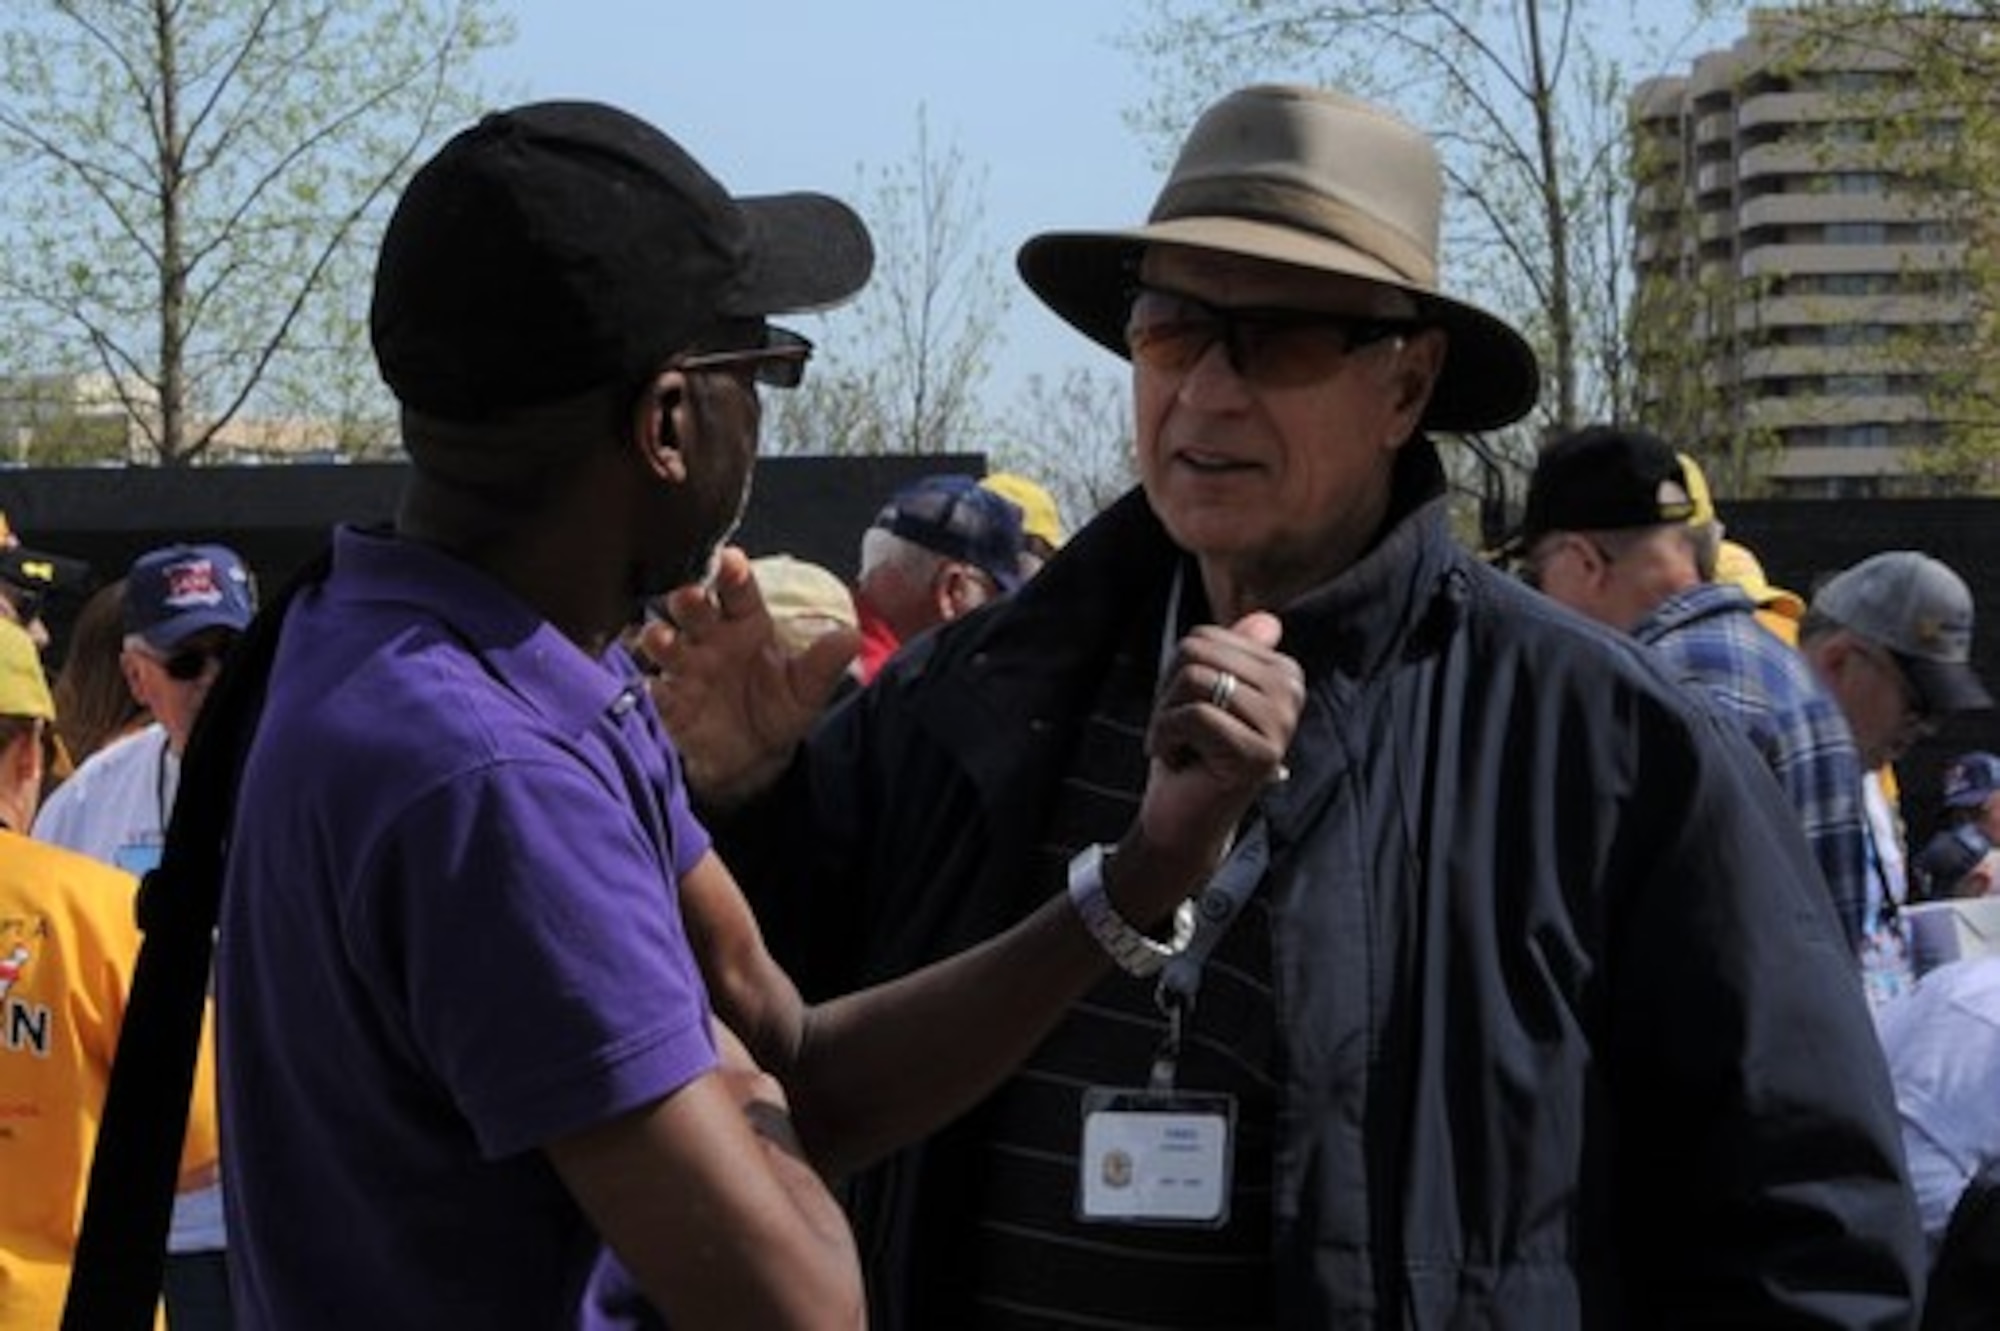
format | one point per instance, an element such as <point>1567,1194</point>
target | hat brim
<point>1948,686</point>
<point>169,634</point>
<point>1787,603</point>
<point>40,571</point>
<point>1490,377</point>
<point>809,252</point>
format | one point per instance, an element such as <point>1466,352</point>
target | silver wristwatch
<point>1135,952</point>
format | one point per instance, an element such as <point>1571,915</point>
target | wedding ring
<point>1224,690</point>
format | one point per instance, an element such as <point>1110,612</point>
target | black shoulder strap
<point>1964,1291</point>
<point>115,1281</point>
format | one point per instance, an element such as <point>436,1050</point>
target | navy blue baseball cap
<point>1970,778</point>
<point>1948,857</point>
<point>173,593</point>
<point>960,519</point>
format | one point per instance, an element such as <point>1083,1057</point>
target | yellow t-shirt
<point>68,945</point>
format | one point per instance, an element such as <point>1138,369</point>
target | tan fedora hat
<point>1317,179</point>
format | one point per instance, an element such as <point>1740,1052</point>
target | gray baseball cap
<point>1922,612</point>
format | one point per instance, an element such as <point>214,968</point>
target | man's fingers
<point>818,670</point>
<point>1261,627</point>
<point>1238,675</point>
<point>690,607</point>
<point>733,586</point>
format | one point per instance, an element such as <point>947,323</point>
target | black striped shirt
<point>1039,1266</point>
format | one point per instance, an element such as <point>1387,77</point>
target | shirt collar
<point>514,642</point>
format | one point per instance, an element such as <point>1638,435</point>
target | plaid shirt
<point>1710,638</point>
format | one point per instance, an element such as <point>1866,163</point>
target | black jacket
<point>1570,1032</point>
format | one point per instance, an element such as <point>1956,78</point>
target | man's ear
<point>660,419</point>
<point>1413,373</point>
<point>135,681</point>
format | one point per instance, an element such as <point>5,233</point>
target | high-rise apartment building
<point>1810,260</point>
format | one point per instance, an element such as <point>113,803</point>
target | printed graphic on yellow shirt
<point>24,1026</point>
<point>11,967</point>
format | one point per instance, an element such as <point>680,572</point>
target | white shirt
<point>1943,1046</point>
<point>1887,969</point>
<point>115,808</point>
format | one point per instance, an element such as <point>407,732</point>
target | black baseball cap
<point>1603,478</point>
<point>562,246</point>
<point>28,576</point>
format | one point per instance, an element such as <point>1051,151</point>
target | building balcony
<point>1826,310</point>
<point>1806,159</point>
<point>1776,210</point>
<point>1814,362</point>
<point>1792,463</point>
<point>1821,411</point>
<point>1782,260</point>
<point>1762,110</point>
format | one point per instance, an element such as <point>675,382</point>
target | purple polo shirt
<point>450,934</point>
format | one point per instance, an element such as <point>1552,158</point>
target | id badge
<point>1155,1157</point>
<point>138,858</point>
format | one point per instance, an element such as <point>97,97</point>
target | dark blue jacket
<point>1571,1036</point>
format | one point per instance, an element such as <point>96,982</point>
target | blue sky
<point>789,94</point>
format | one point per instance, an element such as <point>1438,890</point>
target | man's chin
<point>697,566</point>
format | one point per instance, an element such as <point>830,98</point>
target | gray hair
<point>882,548</point>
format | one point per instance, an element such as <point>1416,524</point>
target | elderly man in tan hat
<point>1519,1003</point>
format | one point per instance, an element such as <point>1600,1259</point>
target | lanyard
<point>1217,905</point>
<point>1216,909</point>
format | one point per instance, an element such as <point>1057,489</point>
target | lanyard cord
<point>162,796</point>
<point>1217,905</point>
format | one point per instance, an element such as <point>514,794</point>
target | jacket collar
<point>1037,650</point>
<point>1362,617</point>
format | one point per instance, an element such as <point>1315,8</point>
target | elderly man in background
<point>940,548</point>
<point>1484,1024</point>
<point>1610,529</point>
<point>185,607</point>
<point>1891,639</point>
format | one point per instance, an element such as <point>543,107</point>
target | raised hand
<point>735,702</point>
<point>1221,725</point>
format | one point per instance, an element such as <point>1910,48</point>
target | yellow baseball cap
<point>1735,564</point>
<point>1698,491</point>
<point>1040,518</point>
<point>24,687</point>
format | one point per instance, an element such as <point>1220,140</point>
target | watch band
<point>1135,952</point>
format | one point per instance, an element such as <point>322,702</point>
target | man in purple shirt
<point>489,1002</point>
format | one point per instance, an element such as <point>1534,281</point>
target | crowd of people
<point>1250,909</point>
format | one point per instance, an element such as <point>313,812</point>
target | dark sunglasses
<point>1273,348</point>
<point>778,362</point>
<point>1917,704</point>
<point>191,663</point>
